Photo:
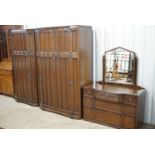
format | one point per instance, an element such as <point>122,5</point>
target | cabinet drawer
<point>87,113</point>
<point>108,117</point>
<point>127,99</point>
<point>109,106</point>
<point>107,96</point>
<point>129,122</point>
<point>129,109</point>
<point>88,102</point>
<point>87,92</point>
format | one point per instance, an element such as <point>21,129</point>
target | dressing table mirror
<point>120,66</point>
<point>116,101</point>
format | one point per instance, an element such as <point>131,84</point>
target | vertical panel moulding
<point>39,68</point>
<point>13,59</point>
<point>51,70</point>
<point>68,40</point>
<point>25,64</point>
<point>19,67</point>
<point>55,41</point>
<point>60,67</point>
<point>64,78</point>
<point>56,80</point>
<point>23,68</point>
<point>55,68</point>
<point>22,64</point>
<point>58,70</point>
<point>58,40</point>
<point>74,78</point>
<point>78,74</point>
<point>74,40</point>
<point>33,68</point>
<point>67,86</point>
<point>75,85</point>
<point>71,84</point>
<point>60,82</point>
<point>28,68</point>
<point>65,40</point>
<point>48,71</point>
<point>14,63</point>
<point>76,70</point>
<point>62,40</point>
<point>71,74</point>
<point>64,84</point>
<point>45,99</point>
<point>13,46</point>
<point>46,80</point>
<point>40,64</point>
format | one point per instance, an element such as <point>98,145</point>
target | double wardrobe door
<point>24,66</point>
<point>62,64</point>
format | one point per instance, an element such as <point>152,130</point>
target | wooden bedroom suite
<point>53,68</point>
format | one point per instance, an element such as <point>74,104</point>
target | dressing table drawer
<point>108,106</point>
<point>107,96</point>
<point>127,99</point>
<point>88,113</point>
<point>129,122</point>
<point>87,92</point>
<point>87,102</point>
<point>130,110</point>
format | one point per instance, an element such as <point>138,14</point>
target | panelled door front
<point>58,73</point>
<point>24,66</point>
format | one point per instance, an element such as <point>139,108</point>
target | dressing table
<point>116,101</point>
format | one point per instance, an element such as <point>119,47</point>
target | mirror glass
<point>119,66</point>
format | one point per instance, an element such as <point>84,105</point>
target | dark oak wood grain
<point>24,66</point>
<point>53,64</point>
<point>64,65</point>
<point>115,101</point>
<point>114,105</point>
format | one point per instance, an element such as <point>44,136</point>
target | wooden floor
<point>16,115</point>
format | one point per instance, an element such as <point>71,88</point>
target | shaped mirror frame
<point>119,66</point>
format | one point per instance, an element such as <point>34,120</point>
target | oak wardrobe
<point>51,65</point>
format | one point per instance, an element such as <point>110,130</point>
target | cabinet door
<point>24,67</point>
<point>73,85</point>
<point>58,71</point>
<point>58,82</point>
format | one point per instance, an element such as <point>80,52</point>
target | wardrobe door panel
<point>24,66</point>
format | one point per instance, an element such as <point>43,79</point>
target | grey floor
<point>15,115</point>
